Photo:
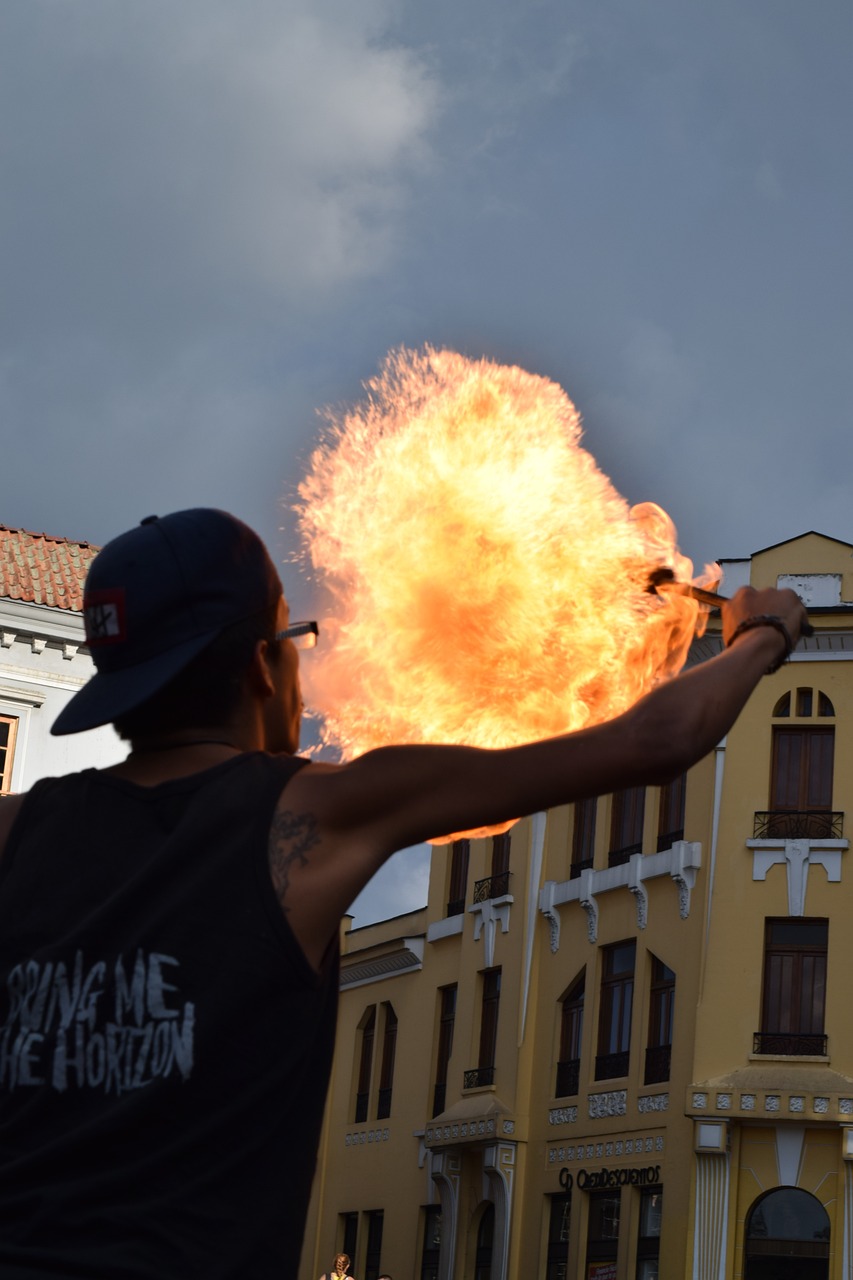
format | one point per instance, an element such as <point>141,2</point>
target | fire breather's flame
<point>487,582</point>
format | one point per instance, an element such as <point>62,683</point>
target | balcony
<point>610,1066</point>
<point>618,857</point>
<point>478,1077</point>
<point>667,839</point>
<point>787,1044</point>
<point>802,824</point>
<point>657,1063</point>
<point>492,887</point>
<point>568,1078</point>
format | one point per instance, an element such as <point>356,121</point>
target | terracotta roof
<point>42,570</point>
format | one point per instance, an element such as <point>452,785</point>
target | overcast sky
<point>217,216</point>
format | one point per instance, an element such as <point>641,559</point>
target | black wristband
<point>766,620</point>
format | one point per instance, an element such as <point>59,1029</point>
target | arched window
<point>661,1017</point>
<point>614,1016</point>
<point>787,1235</point>
<point>485,1236</point>
<point>801,769</point>
<point>571,1034</point>
<point>446,1025</point>
<point>367,1028</point>
<point>386,1073</point>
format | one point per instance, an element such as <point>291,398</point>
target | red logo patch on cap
<point>103,615</point>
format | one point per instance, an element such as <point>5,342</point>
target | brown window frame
<point>489,1014</point>
<point>627,817</point>
<point>8,734</point>
<point>459,858</point>
<point>583,835</point>
<point>671,809</point>
<point>367,1029</point>
<point>571,1038</point>
<point>386,1070</point>
<point>615,1014</point>
<point>446,1027</point>
<point>801,770</point>
<point>793,992</point>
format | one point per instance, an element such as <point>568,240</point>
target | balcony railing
<point>618,857</point>
<point>789,1044</point>
<point>478,1076</point>
<point>802,824</point>
<point>667,839</point>
<point>568,1077</point>
<point>657,1063</point>
<point>492,887</point>
<point>608,1066</point>
<point>583,864</point>
<point>383,1107</point>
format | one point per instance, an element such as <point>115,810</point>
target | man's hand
<point>769,610</point>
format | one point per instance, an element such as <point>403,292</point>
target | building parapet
<point>406,955</point>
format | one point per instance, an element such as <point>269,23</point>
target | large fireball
<point>487,583</point>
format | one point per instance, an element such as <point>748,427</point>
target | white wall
<point>41,667</point>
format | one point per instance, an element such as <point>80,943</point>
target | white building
<point>43,659</point>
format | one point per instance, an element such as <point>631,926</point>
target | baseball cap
<point>155,597</point>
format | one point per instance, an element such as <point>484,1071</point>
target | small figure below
<point>340,1270</point>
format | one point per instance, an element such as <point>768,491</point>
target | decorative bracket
<point>797,856</point>
<point>488,915</point>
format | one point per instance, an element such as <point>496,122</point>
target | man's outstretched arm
<point>358,814</point>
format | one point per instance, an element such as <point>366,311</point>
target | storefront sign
<point>605,1179</point>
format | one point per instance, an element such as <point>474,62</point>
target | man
<point>169,926</point>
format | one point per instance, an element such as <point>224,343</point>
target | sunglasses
<point>303,634</point>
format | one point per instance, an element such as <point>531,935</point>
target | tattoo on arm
<point>291,836</point>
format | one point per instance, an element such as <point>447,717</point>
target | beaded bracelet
<point>766,620</point>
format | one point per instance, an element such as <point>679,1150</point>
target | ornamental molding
<point>459,1131</point>
<point>797,856</point>
<point>653,1102</point>
<point>487,916</point>
<point>777,1102</point>
<point>681,863</point>
<point>608,1104</point>
<point>617,1147</point>
<point>366,1137</point>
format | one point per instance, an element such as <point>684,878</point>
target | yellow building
<point>616,1044</point>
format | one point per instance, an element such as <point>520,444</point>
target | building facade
<point>615,1044</point>
<point>43,658</point>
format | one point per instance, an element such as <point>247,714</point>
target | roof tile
<point>39,569</point>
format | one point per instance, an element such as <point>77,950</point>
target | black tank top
<point>165,1046</point>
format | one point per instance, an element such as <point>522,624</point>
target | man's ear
<point>260,676</point>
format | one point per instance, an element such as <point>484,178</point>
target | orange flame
<point>487,582</point>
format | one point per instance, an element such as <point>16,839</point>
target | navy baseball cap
<point>155,597</point>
